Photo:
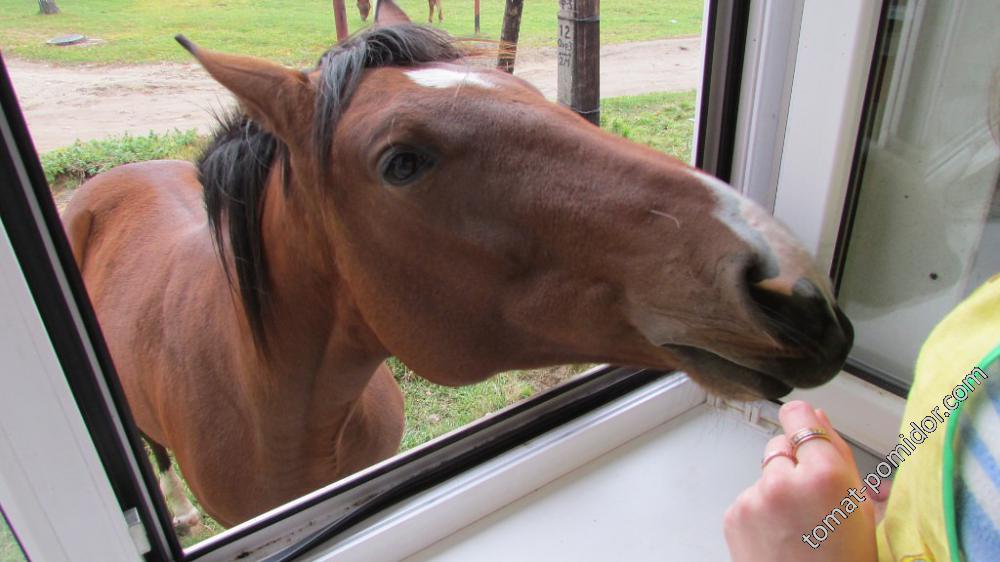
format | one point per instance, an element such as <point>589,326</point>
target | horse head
<point>476,227</point>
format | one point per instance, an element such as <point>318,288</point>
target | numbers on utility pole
<point>578,48</point>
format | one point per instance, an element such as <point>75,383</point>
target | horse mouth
<point>728,378</point>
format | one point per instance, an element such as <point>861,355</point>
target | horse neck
<point>321,355</point>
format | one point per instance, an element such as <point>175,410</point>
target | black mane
<point>236,165</point>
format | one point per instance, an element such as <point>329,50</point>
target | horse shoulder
<point>115,202</point>
<point>129,226</point>
<point>140,239</point>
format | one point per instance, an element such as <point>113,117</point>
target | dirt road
<point>63,104</point>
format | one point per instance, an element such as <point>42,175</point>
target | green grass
<point>433,410</point>
<point>10,551</point>
<point>664,121</point>
<point>141,31</point>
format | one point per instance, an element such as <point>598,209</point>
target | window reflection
<point>927,225</point>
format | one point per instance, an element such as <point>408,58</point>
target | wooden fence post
<point>580,57</point>
<point>508,38</point>
<point>340,19</point>
<point>48,7</point>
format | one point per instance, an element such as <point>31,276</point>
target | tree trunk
<point>47,7</point>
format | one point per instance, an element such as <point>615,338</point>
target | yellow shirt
<point>913,529</point>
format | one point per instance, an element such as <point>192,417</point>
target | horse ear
<point>278,98</point>
<point>388,13</point>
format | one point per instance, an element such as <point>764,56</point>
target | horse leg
<point>187,518</point>
<point>430,11</point>
<point>440,11</point>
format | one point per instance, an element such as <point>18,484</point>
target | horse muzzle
<point>789,336</point>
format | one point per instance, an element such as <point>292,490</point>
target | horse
<point>398,201</point>
<point>365,6</point>
<point>431,4</point>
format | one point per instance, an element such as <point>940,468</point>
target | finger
<point>796,416</point>
<point>778,455</point>
<point>835,438</point>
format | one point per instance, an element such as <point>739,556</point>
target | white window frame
<point>53,487</point>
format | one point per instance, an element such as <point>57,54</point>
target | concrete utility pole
<point>580,57</point>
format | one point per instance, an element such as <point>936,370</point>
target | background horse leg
<point>186,517</point>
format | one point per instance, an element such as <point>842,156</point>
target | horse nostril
<point>802,314</point>
<point>760,269</point>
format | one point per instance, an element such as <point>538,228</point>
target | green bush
<point>67,167</point>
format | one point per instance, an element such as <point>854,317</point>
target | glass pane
<point>927,224</point>
<point>141,97</point>
<point>10,550</point>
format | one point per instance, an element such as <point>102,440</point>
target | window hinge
<point>137,531</point>
<point>760,414</point>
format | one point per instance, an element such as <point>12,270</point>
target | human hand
<point>786,515</point>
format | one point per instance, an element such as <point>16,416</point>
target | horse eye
<point>403,167</point>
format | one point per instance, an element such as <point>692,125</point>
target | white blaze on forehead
<point>446,78</point>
